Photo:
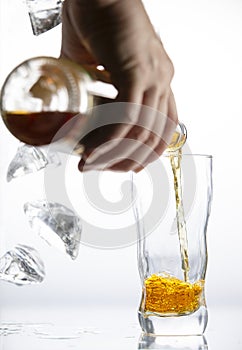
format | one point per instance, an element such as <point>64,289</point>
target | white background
<point>203,39</point>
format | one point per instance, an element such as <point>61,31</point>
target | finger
<point>147,146</point>
<point>172,110</point>
<point>84,168</point>
<point>105,161</point>
<point>134,156</point>
<point>172,121</point>
<point>135,160</point>
<point>137,128</point>
<point>122,117</point>
<point>147,116</point>
<point>116,155</point>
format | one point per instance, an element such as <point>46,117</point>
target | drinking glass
<point>172,263</point>
<point>172,343</point>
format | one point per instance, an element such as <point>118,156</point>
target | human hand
<point>119,36</point>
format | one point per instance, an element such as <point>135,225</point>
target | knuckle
<point>162,62</point>
<point>153,141</point>
<point>167,68</point>
<point>170,67</point>
<point>143,136</point>
<point>139,133</point>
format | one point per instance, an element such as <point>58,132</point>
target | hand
<point>119,36</point>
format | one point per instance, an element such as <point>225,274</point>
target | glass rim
<point>209,156</point>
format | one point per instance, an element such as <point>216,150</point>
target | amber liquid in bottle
<point>37,128</point>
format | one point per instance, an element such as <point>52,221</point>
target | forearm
<point>111,29</point>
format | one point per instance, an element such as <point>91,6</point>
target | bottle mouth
<point>178,139</point>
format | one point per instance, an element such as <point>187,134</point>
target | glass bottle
<point>42,94</point>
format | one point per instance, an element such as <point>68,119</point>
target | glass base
<point>191,324</point>
<point>192,342</point>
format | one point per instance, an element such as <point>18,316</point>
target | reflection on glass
<point>172,343</point>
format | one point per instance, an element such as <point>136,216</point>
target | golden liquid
<point>169,295</point>
<point>176,143</point>
<point>180,217</point>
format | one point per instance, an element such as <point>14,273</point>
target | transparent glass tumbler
<point>172,262</point>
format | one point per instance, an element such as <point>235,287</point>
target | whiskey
<point>177,141</point>
<point>180,216</point>
<point>166,294</point>
<point>37,128</point>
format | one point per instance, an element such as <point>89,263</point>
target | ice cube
<point>44,14</point>
<point>28,159</point>
<point>51,157</point>
<point>56,224</point>
<point>22,265</point>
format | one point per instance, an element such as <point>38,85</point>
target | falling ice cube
<point>22,265</point>
<point>56,224</point>
<point>44,14</point>
<point>52,158</point>
<point>27,160</point>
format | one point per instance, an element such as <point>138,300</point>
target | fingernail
<point>96,154</point>
<point>137,170</point>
